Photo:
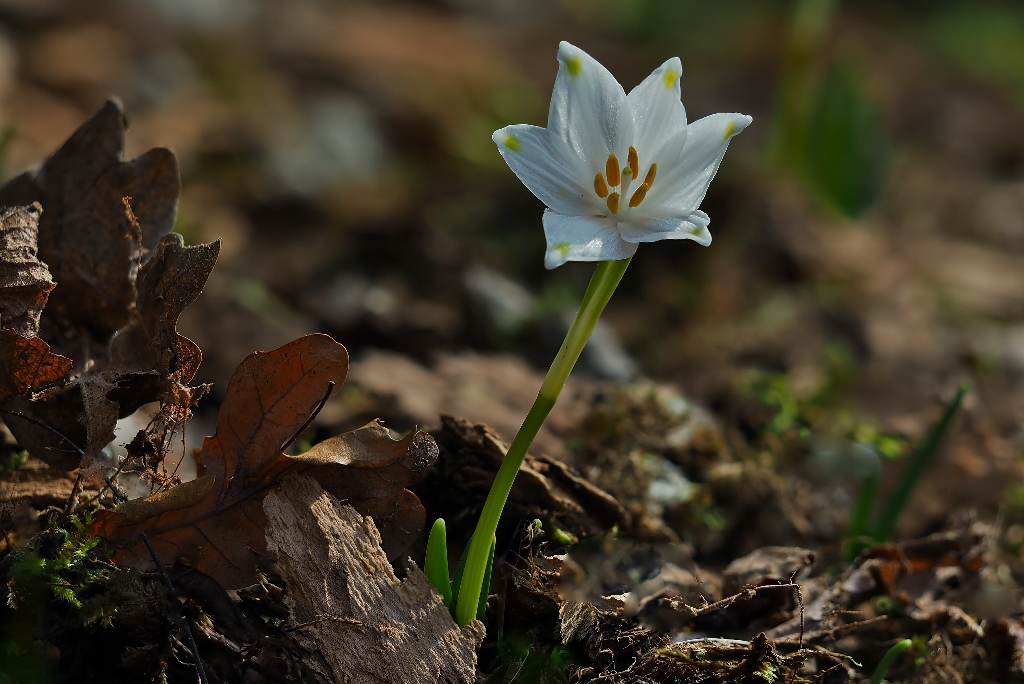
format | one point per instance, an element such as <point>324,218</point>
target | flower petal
<point>547,167</point>
<point>582,238</point>
<point>589,109</point>
<point>681,188</point>
<point>659,115</point>
<point>693,227</point>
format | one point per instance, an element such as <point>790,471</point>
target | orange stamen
<point>611,169</point>
<point>639,195</point>
<point>651,173</point>
<point>634,161</point>
<point>613,203</point>
<point>600,187</point>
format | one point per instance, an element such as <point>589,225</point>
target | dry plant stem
<point>603,283</point>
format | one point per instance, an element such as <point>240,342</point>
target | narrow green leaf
<point>485,588</point>
<point>857,528</point>
<point>887,660</point>
<point>920,460</point>
<point>435,565</point>
<point>457,582</point>
<point>845,156</point>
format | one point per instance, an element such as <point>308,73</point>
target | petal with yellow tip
<point>545,167</point>
<point>589,239</point>
<point>681,187</point>
<point>588,111</point>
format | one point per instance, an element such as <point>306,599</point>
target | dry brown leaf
<point>84,232</point>
<point>27,365</point>
<point>171,280</point>
<point>25,282</point>
<point>217,522</point>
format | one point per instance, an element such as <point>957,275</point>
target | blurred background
<point>868,228</point>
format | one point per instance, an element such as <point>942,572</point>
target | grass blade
<point>920,460</point>
<point>887,660</point>
<point>485,588</point>
<point>857,528</point>
<point>457,582</point>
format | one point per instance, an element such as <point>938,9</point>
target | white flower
<point>616,170</point>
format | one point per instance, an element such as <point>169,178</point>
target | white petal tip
<point>569,58</point>
<point>556,255</point>
<point>551,262</point>
<point>506,140</point>
<point>736,125</point>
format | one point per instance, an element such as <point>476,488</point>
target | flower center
<point>614,184</point>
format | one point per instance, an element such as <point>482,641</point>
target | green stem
<point>888,659</point>
<point>919,463</point>
<point>606,277</point>
<point>859,517</point>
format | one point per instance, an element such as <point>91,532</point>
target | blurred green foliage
<point>985,39</point>
<point>844,154</point>
<point>826,129</point>
<point>13,460</point>
<point>821,411</point>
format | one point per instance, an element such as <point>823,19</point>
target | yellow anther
<point>639,195</point>
<point>611,169</point>
<point>634,161</point>
<point>613,203</point>
<point>651,173</point>
<point>600,187</point>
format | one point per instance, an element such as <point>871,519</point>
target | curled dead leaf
<point>25,282</point>
<point>171,280</point>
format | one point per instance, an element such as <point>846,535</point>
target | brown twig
<point>75,491</point>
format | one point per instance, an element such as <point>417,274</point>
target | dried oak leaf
<point>167,283</point>
<point>25,282</point>
<point>217,523</point>
<point>85,237</point>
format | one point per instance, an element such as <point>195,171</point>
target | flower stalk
<point>603,283</point>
